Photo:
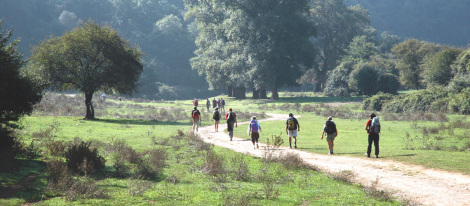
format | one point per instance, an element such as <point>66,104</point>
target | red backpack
<point>195,114</point>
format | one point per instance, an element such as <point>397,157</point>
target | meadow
<point>151,158</point>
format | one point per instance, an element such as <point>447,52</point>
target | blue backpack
<point>254,126</point>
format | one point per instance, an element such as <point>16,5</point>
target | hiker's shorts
<point>254,137</point>
<point>217,121</point>
<point>292,133</point>
<point>330,137</point>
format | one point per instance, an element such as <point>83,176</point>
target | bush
<point>81,158</point>
<point>213,164</point>
<point>417,101</point>
<point>375,102</point>
<point>84,189</point>
<point>291,160</point>
<point>240,168</point>
<point>59,178</point>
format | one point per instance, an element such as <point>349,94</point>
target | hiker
<point>231,118</point>
<point>208,104</point>
<point>255,128</point>
<point>219,103</point>
<point>292,126</point>
<point>331,133</point>
<point>216,118</point>
<point>196,117</point>
<point>103,96</point>
<point>373,129</point>
<point>223,104</point>
<point>195,103</point>
<point>214,103</point>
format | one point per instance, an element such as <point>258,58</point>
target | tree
<point>260,43</point>
<point>89,59</point>
<point>18,94</point>
<point>410,55</point>
<point>437,68</point>
<point>363,79</point>
<point>337,25</point>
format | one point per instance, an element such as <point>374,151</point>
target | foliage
<point>337,25</point>
<point>410,55</point>
<point>417,101</point>
<point>337,83</point>
<point>363,79</point>
<point>388,83</point>
<point>376,102</point>
<point>18,94</point>
<point>437,68</point>
<point>89,59</point>
<point>83,159</point>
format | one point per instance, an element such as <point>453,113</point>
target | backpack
<point>216,115</point>
<point>223,101</point>
<point>195,114</point>
<point>292,123</point>
<point>375,126</point>
<point>254,126</point>
<point>195,103</point>
<point>330,127</point>
<point>231,116</point>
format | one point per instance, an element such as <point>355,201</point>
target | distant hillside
<point>444,22</point>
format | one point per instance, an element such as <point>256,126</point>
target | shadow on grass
<point>317,99</point>
<point>138,122</point>
<point>22,183</point>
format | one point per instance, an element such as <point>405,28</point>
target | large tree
<point>337,26</point>
<point>257,43</point>
<point>410,55</point>
<point>18,94</point>
<point>89,59</point>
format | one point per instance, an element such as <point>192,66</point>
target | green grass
<point>352,141</point>
<point>296,186</point>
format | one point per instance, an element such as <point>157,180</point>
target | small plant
<point>344,176</point>
<point>121,170</point>
<point>32,151</point>
<point>291,160</point>
<point>59,178</point>
<point>374,192</point>
<point>240,168</point>
<point>138,187</point>
<point>86,189</point>
<point>214,164</point>
<point>81,158</point>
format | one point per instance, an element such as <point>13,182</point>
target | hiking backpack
<point>375,126</point>
<point>216,115</point>
<point>195,114</point>
<point>292,123</point>
<point>223,101</point>
<point>231,116</point>
<point>195,103</point>
<point>254,126</point>
<point>330,127</point>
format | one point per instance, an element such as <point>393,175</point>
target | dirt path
<point>414,183</point>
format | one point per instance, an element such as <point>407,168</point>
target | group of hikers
<point>292,127</point>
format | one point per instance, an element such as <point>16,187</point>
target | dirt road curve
<point>414,183</point>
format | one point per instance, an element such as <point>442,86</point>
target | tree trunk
<point>275,94</point>
<point>262,94</point>
<point>255,93</point>
<point>90,112</point>
<point>239,92</point>
<point>229,91</point>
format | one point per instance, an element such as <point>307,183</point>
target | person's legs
<point>230,125</point>
<point>369,146</point>
<point>376,145</point>
<point>295,141</point>
<point>195,124</point>
<point>290,141</point>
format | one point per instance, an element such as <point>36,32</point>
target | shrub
<point>59,178</point>
<point>81,158</point>
<point>120,169</point>
<point>85,189</point>
<point>417,101</point>
<point>240,168</point>
<point>144,169</point>
<point>375,102</point>
<point>213,164</point>
<point>291,160</point>
<point>123,151</point>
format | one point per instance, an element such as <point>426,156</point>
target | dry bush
<point>59,178</point>
<point>86,189</point>
<point>157,158</point>
<point>291,160</point>
<point>374,192</point>
<point>138,187</point>
<point>240,168</point>
<point>239,199</point>
<point>121,170</point>
<point>213,164</point>
<point>33,151</point>
<point>269,185</point>
<point>198,143</point>
<point>57,148</point>
<point>344,176</point>
<point>122,151</point>
<point>81,158</point>
<point>144,169</point>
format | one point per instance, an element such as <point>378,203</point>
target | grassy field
<point>194,174</point>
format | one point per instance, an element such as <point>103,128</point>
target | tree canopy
<point>89,59</point>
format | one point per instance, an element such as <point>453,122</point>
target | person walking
<point>255,128</point>
<point>216,118</point>
<point>373,130</point>
<point>195,103</point>
<point>231,118</point>
<point>292,126</point>
<point>208,104</point>
<point>223,105</point>
<point>196,117</point>
<point>331,133</point>
<point>214,103</point>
